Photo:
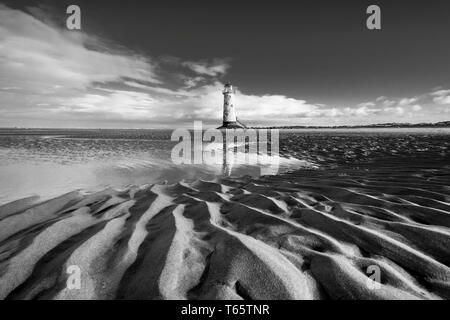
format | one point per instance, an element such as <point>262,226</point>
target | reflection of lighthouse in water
<point>243,151</point>
<point>228,158</point>
<point>229,114</point>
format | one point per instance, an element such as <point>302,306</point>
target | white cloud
<point>441,96</point>
<point>36,57</point>
<point>206,103</point>
<point>396,110</point>
<point>366,104</point>
<point>127,104</point>
<point>360,111</point>
<point>202,103</point>
<point>192,82</point>
<point>383,106</point>
<point>407,101</point>
<point>215,68</point>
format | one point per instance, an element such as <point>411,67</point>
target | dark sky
<point>298,48</point>
<point>318,51</point>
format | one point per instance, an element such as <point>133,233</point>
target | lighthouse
<point>229,114</point>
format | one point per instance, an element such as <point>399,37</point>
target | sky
<point>163,64</point>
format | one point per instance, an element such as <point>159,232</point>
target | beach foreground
<point>302,235</point>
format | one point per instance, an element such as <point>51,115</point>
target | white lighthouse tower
<point>229,114</point>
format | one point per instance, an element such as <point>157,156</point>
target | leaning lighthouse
<point>229,113</point>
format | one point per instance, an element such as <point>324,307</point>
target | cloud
<point>367,104</point>
<point>361,111</point>
<point>206,104</point>
<point>215,68</point>
<point>385,106</point>
<point>396,110</point>
<point>388,103</point>
<point>192,82</point>
<point>126,104</point>
<point>407,101</point>
<point>39,57</point>
<point>202,103</point>
<point>441,96</point>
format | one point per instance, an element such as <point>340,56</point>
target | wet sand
<point>302,235</point>
<point>307,234</point>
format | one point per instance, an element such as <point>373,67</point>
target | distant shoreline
<point>442,124</point>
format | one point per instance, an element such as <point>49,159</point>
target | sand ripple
<point>302,235</point>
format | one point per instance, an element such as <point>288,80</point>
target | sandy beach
<point>306,234</point>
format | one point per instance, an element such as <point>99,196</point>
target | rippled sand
<point>302,235</point>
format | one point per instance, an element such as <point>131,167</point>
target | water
<point>51,162</point>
